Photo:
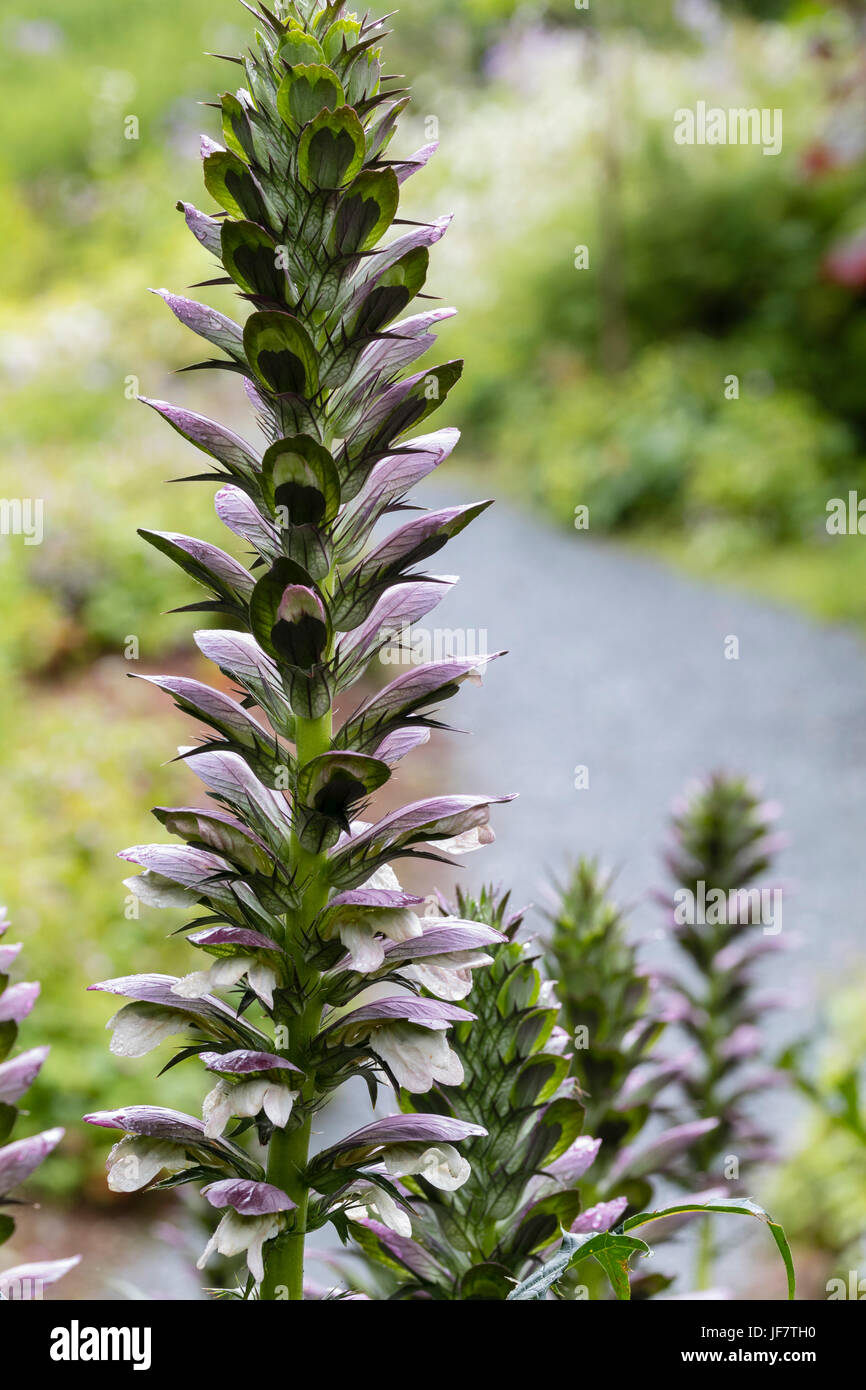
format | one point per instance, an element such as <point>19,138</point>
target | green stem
<point>289,1148</point>
<point>706,1255</point>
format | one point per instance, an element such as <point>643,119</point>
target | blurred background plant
<point>821,1187</point>
<point>724,917</point>
<point>603,386</point>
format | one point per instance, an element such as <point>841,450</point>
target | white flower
<point>417,1056</point>
<point>366,948</point>
<point>467,840</point>
<point>136,1160</point>
<point>383,1205</point>
<point>441,1165</point>
<point>236,1233</point>
<point>384,877</point>
<point>246,1098</point>
<point>448,976</point>
<point>225,973</point>
<point>360,935</point>
<point>140,1027</point>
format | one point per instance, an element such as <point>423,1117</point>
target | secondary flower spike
<point>314,954</point>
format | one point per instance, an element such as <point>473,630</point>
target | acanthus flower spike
<point>289,892</point>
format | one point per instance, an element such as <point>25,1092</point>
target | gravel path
<point>618,664</point>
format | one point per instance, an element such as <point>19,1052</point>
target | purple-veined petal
<point>401,604</point>
<point>8,956</point>
<point>17,1001</point>
<point>409,1253</point>
<point>405,168</point>
<point>374,897</point>
<point>409,1129</point>
<point>24,1282</point>
<point>243,1062</point>
<point>239,513</point>
<point>649,1157</point>
<point>398,744</point>
<point>208,323</point>
<point>195,869</point>
<point>159,989</point>
<point>248,1198</point>
<point>453,935</point>
<point>21,1158</point>
<point>227,448</point>
<point>19,1073</point>
<point>216,708</point>
<point>426,1013</point>
<point>232,936</point>
<point>600,1217</point>
<point>207,230</point>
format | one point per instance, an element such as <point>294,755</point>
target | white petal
<point>236,1233</point>
<point>216,1110</point>
<point>277,1104</point>
<point>467,840</point>
<point>439,980</point>
<point>417,1056</point>
<point>366,950</point>
<point>140,1027</point>
<point>383,878</point>
<point>223,974</point>
<point>136,1160</point>
<point>263,980</point>
<point>441,1164</point>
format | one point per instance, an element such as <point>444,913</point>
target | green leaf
<point>7,1227</point>
<point>266,596</point>
<point>737,1206</point>
<point>299,474</point>
<point>236,127</point>
<point>613,1252</point>
<point>306,91</point>
<point>299,47</point>
<point>230,183</point>
<point>281,354</point>
<point>486,1282</point>
<point>366,211</point>
<point>8,1116</point>
<point>250,255</point>
<point>334,781</point>
<point>342,32</point>
<point>331,149</point>
<point>8,1034</point>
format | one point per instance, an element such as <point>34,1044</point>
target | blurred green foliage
<point>602,386</point>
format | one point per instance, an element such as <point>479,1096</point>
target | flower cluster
<point>301,913</point>
<point>524,1186</point>
<point>20,1158</point>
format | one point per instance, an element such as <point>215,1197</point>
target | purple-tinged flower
<point>247,1198</point>
<point>136,1161</point>
<point>408,1035</point>
<point>237,1234</point>
<point>8,955</point>
<point>21,1158</point>
<point>19,1073</point>
<point>17,1001</point>
<point>26,1282</point>
<point>230,1099</point>
<point>653,1155</point>
<point>600,1217</point>
<point>242,1063</point>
